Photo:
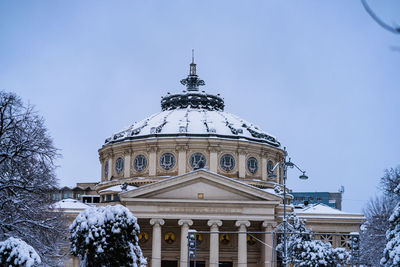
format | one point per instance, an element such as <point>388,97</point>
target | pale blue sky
<point>319,75</point>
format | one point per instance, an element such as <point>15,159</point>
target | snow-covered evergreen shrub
<point>391,254</point>
<point>15,252</point>
<point>303,250</point>
<point>106,236</point>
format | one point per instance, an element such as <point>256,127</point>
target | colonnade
<point>266,252</point>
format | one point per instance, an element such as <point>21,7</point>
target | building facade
<point>195,166</point>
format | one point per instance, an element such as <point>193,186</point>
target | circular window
<point>119,165</point>
<point>106,168</point>
<point>197,161</point>
<point>252,165</point>
<point>140,163</point>
<point>270,166</point>
<point>227,162</point>
<point>167,161</point>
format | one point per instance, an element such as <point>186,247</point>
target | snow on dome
<point>69,203</point>
<point>192,122</point>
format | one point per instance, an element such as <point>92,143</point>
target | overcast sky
<point>319,75</point>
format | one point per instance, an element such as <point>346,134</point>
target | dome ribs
<point>193,122</point>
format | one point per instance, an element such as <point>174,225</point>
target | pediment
<point>200,185</point>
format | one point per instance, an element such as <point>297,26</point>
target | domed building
<point>195,166</point>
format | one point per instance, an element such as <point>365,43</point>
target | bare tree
<point>27,174</point>
<point>373,231</point>
<point>390,181</point>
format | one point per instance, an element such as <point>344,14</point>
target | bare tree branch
<point>392,29</point>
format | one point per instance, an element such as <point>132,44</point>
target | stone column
<point>242,163</point>
<point>181,159</point>
<point>267,250</point>
<point>184,241</point>
<point>127,164</point>
<point>152,160</point>
<point>156,242</point>
<point>242,242</point>
<point>213,158</point>
<point>264,172</point>
<point>214,242</point>
<point>110,168</point>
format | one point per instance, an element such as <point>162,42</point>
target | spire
<point>192,82</point>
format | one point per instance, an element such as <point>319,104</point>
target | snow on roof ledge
<point>69,203</point>
<point>319,208</point>
<point>118,188</point>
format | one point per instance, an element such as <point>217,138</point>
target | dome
<point>193,122</point>
<point>193,113</point>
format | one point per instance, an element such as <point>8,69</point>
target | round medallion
<point>252,165</point>
<point>197,161</point>
<point>140,163</point>
<point>199,239</point>
<point>106,169</point>
<point>119,165</point>
<point>227,162</point>
<point>167,161</point>
<point>224,239</point>
<point>143,237</point>
<point>270,166</point>
<point>251,240</point>
<point>169,237</point>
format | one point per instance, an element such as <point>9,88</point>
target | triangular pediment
<point>200,185</point>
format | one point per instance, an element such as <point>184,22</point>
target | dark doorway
<point>169,263</point>
<point>225,264</point>
<point>198,264</point>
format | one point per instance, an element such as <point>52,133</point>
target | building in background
<point>84,192</point>
<point>330,199</point>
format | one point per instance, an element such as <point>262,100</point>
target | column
<point>127,164</point>
<point>242,163</point>
<point>152,160</point>
<point>213,158</point>
<point>242,242</point>
<point>156,242</point>
<point>181,159</point>
<point>267,250</point>
<point>264,172</point>
<point>214,242</point>
<point>184,241</point>
<point>110,168</point>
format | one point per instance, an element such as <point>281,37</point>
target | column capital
<point>269,224</point>
<point>240,223</point>
<point>157,221</point>
<point>183,221</point>
<point>181,147</point>
<point>214,148</point>
<point>214,222</point>
<point>152,148</point>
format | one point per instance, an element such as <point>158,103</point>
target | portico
<point>226,206</point>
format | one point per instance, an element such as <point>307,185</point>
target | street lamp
<point>285,164</point>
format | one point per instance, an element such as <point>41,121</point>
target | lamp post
<point>285,164</point>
